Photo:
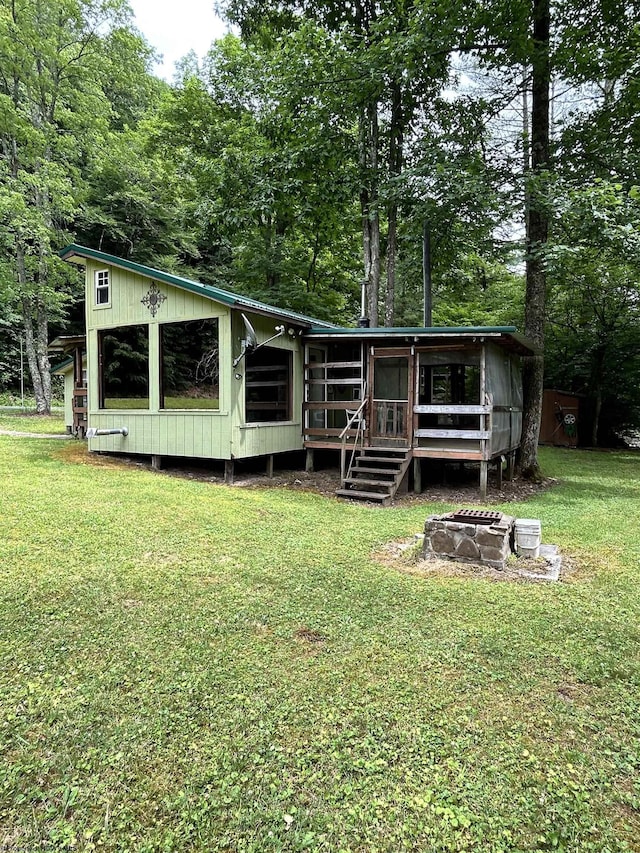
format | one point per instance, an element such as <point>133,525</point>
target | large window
<point>189,353</point>
<point>124,367</point>
<point>268,385</point>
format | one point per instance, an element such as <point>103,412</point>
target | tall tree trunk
<point>369,207</point>
<point>538,231</point>
<point>396,142</point>
<point>597,373</point>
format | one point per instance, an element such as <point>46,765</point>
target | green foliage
<point>269,187</point>
<point>594,268</point>
<point>237,671</point>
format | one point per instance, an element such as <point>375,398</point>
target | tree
<point>594,328</point>
<point>391,59</point>
<point>269,190</point>
<point>537,234</point>
<point>52,108</point>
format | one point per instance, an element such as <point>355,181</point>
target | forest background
<point>310,151</point>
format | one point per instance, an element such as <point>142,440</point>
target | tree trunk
<point>538,231</point>
<point>597,374</point>
<point>396,141</point>
<point>36,341</point>
<point>369,207</point>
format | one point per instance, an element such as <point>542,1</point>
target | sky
<point>174,28</point>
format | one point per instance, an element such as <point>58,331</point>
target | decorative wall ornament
<point>153,299</point>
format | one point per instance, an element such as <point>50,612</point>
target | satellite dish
<point>251,340</point>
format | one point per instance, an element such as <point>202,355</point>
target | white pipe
<point>92,432</point>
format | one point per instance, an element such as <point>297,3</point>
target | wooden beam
<point>511,464</point>
<point>330,406</point>
<point>335,365</point>
<point>270,466</point>
<point>308,464</point>
<point>445,453</point>
<point>229,471</point>
<point>445,347</point>
<point>156,462</point>
<point>417,475</point>
<point>451,410</point>
<point>356,380</point>
<point>328,431</point>
<point>469,434</point>
<point>483,478</point>
<point>385,352</point>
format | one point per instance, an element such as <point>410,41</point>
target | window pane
<point>267,384</point>
<point>190,365</point>
<point>124,367</point>
<point>391,378</point>
<point>102,287</point>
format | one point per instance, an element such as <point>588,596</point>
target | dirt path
<point>16,434</point>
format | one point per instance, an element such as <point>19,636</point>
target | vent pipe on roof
<point>363,321</point>
<point>426,273</point>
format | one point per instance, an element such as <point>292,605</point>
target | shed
<point>176,368</point>
<point>561,418</point>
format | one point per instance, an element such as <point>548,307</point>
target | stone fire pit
<point>469,536</point>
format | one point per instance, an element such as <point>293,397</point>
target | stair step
<point>361,469</point>
<point>401,450</point>
<point>393,461</point>
<point>362,496</point>
<point>379,483</point>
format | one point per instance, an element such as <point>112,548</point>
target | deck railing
<point>478,433</point>
<point>356,419</point>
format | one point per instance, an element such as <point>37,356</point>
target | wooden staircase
<point>375,474</point>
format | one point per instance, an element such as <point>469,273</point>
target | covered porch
<point>406,395</point>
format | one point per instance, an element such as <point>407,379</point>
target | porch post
<point>417,475</point>
<point>308,465</point>
<point>484,465</point>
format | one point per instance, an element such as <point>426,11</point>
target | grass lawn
<point>187,666</point>
<point>20,422</point>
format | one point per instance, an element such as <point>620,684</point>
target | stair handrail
<point>344,470</point>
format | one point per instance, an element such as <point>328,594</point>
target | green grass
<point>169,403</point>
<point>127,403</point>
<point>187,666</point>
<point>19,422</point>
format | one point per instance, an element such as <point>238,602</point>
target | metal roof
<point>64,343</point>
<point>60,368</point>
<point>506,336</point>
<point>209,291</point>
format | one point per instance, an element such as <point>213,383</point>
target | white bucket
<point>528,533</point>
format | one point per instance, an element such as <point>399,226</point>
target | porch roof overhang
<point>66,343</point>
<point>80,254</point>
<point>506,337</point>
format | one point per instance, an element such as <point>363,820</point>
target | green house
<point>176,368</point>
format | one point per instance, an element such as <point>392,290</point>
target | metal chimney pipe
<point>426,273</point>
<point>363,322</point>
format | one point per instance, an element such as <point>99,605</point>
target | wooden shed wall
<point>216,434</point>
<point>555,405</point>
<point>258,439</point>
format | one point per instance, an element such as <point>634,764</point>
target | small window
<point>103,296</point>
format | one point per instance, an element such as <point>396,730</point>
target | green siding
<point>259,439</point>
<point>214,434</point>
<point>68,397</point>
